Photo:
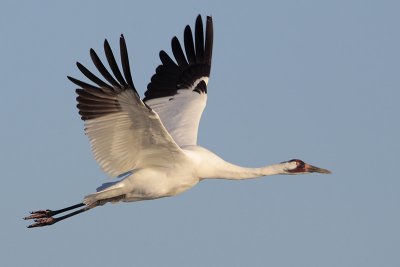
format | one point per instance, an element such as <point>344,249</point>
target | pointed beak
<point>311,168</point>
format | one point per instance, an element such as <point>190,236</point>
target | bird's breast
<point>157,183</point>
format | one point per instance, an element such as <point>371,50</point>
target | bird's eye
<point>298,162</point>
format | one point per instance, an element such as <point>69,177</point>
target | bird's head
<point>296,166</point>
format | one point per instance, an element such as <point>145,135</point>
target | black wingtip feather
<point>199,33</point>
<point>97,101</point>
<point>113,63</point>
<point>91,76</point>
<point>209,41</point>
<point>171,76</point>
<point>167,60</point>
<point>82,84</point>
<point>102,69</point>
<point>178,52</point>
<point>125,61</point>
<point>189,45</point>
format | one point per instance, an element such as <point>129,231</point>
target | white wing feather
<point>178,89</point>
<point>181,115</point>
<point>130,139</point>
<point>127,133</point>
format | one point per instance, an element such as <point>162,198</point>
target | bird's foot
<point>43,222</point>
<point>41,218</point>
<point>45,217</point>
<point>39,214</point>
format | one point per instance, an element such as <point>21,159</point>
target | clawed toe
<point>39,214</point>
<point>45,217</point>
<point>43,222</point>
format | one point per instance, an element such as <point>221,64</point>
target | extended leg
<point>49,220</point>
<point>49,213</point>
<point>45,217</point>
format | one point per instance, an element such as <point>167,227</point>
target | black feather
<point>199,40</point>
<point>113,64</point>
<point>189,46</point>
<point>97,101</point>
<point>171,76</point>
<point>100,67</point>
<point>125,62</point>
<point>92,77</point>
<point>178,52</point>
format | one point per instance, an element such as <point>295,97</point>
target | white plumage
<point>181,117</point>
<point>151,144</point>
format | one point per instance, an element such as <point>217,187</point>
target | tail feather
<point>109,192</point>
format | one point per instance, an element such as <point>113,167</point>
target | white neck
<point>234,172</point>
<point>209,165</point>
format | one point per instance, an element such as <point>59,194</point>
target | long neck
<point>234,172</point>
<point>212,166</point>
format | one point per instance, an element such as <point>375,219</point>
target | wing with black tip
<point>124,133</point>
<point>178,89</point>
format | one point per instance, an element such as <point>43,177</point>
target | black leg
<point>45,217</point>
<point>49,213</point>
<point>48,220</point>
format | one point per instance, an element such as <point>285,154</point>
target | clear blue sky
<point>315,80</point>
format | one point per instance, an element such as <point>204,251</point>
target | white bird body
<point>151,143</point>
<point>196,164</point>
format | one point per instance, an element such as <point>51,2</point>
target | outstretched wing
<point>178,91</point>
<point>124,133</point>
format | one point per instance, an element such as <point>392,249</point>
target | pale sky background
<point>315,80</point>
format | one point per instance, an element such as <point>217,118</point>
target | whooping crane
<point>151,143</point>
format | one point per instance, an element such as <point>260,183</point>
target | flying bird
<point>150,144</point>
